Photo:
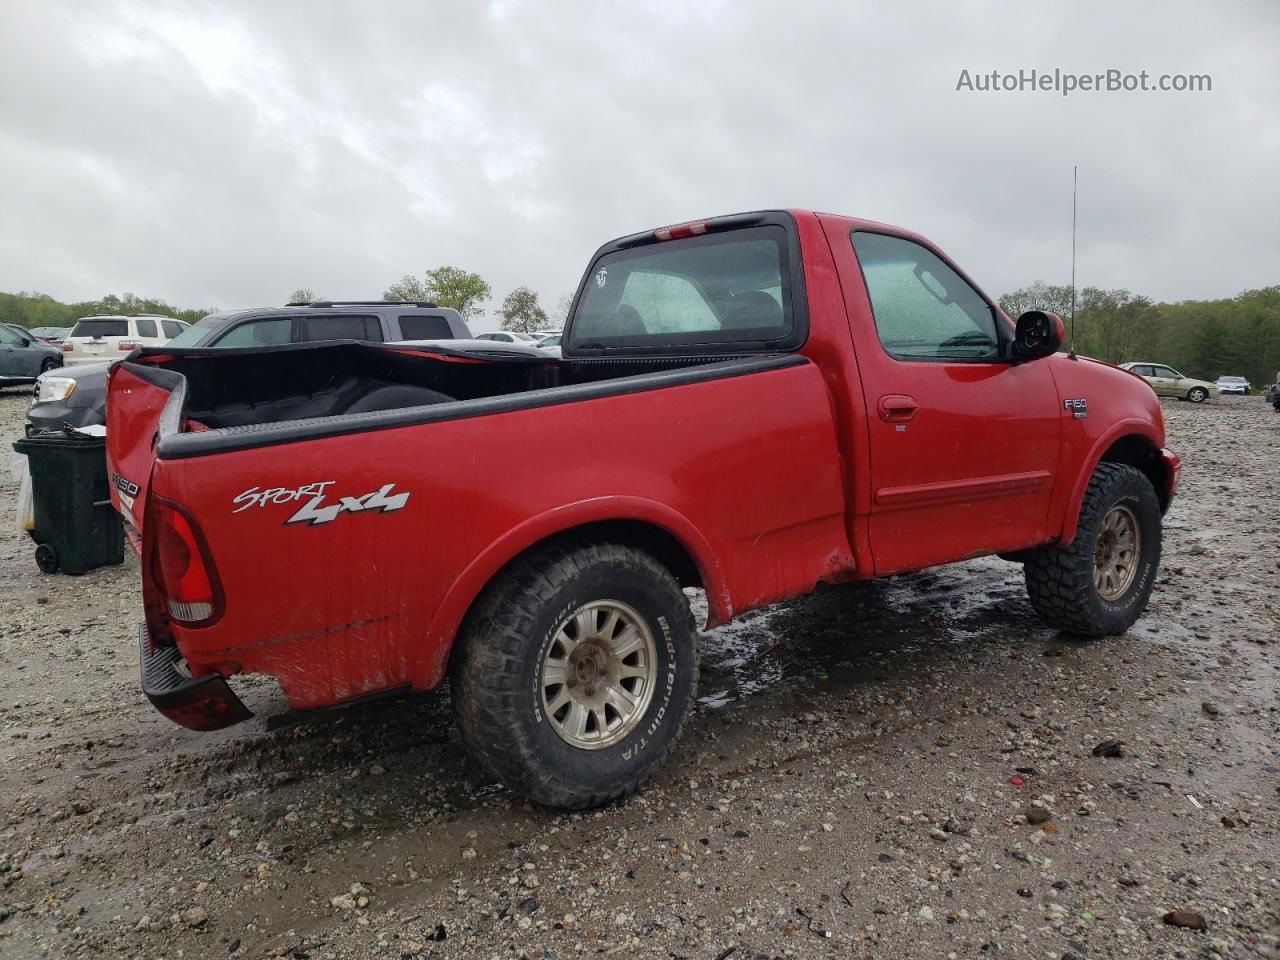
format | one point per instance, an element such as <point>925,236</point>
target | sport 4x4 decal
<point>315,511</point>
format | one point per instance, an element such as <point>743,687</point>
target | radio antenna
<point>1075,172</point>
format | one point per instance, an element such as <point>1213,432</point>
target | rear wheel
<point>575,673</point>
<point>1099,583</point>
<point>1197,394</point>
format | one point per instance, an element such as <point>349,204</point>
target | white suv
<point>115,337</point>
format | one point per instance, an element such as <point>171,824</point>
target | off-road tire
<point>1060,580</point>
<point>1197,394</point>
<point>495,672</point>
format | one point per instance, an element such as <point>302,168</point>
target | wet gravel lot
<point>895,769</point>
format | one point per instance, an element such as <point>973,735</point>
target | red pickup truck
<point>751,404</point>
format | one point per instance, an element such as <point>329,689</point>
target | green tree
<point>1038,296</point>
<point>408,289</point>
<point>445,287</point>
<point>521,311</point>
<point>302,295</point>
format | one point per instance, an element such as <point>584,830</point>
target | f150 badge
<point>126,490</point>
<point>1079,408</point>
<point>314,509</point>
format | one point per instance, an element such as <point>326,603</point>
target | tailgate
<point>142,402</point>
<point>92,348</point>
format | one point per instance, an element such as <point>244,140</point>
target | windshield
<point>1231,380</point>
<point>190,337</point>
<point>718,288</point>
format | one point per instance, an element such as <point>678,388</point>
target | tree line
<point>446,286</point>
<point>41,310</point>
<point>1200,338</point>
<point>1205,339</point>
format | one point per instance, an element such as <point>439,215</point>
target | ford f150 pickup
<point>751,404</point>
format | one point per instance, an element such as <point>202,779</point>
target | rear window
<point>425,328</point>
<point>101,328</point>
<point>715,289</point>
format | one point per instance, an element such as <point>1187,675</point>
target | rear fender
<point>448,617</point>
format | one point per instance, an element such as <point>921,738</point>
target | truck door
<point>963,443</point>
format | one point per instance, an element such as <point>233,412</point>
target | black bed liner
<point>242,399</point>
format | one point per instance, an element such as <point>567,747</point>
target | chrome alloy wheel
<point>1116,553</point>
<point>598,674</point>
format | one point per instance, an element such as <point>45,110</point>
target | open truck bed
<point>342,542</point>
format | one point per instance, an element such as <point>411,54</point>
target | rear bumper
<point>197,703</point>
<point>1173,470</point>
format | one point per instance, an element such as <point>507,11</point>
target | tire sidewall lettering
<point>646,732</point>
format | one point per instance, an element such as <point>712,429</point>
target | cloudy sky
<point>227,153</point>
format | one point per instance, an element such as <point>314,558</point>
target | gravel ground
<point>895,769</point>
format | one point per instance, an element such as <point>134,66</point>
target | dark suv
<point>77,396</point>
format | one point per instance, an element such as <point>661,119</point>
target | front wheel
<point>1099,584</point>
<point>575,673</point>
<point>50,363</point>
<point>1197,394</point>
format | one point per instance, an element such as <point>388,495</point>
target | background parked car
<point>1238,385</point>
<point>551,344</point>
<point>78,396</point>
<point>24,357</point>
<point>1168,382</point>
<point>50,334</point>
<point>506,336</point>
<point>111,337</point>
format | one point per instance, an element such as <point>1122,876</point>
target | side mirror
<point>1037,334</point>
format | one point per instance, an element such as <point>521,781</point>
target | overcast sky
<point>224,154</point>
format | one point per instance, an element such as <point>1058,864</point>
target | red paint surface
<point>772,482</point>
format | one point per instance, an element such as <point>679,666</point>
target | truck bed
<point>238,399</point>
<point>349,543</point>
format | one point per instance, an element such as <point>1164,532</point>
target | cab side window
<point>257,333</point>
<point>10,339</point>
<point>319,327</point>
<point>923,309</point>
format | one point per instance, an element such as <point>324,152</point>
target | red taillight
<point>127,345</point>
<point>65,347</point>
<point>681,230</point>
<point>185,570</point>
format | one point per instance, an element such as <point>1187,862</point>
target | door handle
<point>896,408</point>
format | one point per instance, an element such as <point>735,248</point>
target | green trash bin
<point>76,529</point>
